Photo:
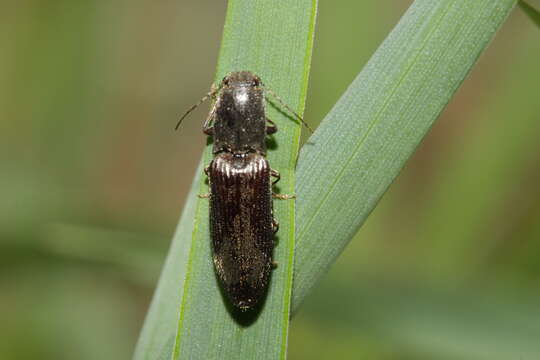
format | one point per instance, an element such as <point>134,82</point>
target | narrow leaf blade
<point>367,137</point>
<point>274,40</point>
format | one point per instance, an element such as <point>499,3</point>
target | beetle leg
<point>283,196</point>
<point>275,226</point>
<point>208,129</point>
<point>275,174</point>
<point>207,195</point>
<point>272,128</point>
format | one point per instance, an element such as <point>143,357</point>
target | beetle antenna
<point>212,93</point>
<point>288,108</point>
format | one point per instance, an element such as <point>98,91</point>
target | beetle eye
<point>225,80</point>
<point>255,82</point>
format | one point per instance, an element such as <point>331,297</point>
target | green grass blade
<point>532,12</point>
<point>157,335</point>
<point>367,137</point>
<point>274,40</point>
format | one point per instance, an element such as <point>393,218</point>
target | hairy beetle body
<point>242,226</point>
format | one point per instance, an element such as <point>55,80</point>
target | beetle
<point>242,225</point>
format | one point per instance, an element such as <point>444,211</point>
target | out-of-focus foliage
<point>93,179</point>
<point>533,13</point>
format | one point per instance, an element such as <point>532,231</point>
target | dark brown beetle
<point>241,219</point>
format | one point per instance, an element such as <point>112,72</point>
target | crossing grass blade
<point>365,140</point>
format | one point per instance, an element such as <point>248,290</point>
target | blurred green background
<point>94,177</point>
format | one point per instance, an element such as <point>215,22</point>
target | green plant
<point>274,40</point>
<point>343,170</point>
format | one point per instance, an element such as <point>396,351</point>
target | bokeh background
<point>93,179</point>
